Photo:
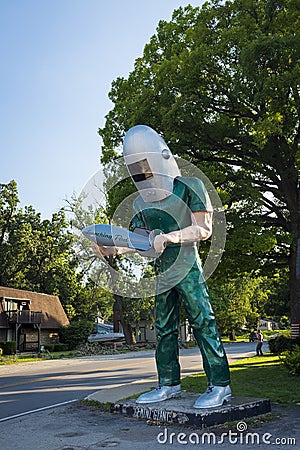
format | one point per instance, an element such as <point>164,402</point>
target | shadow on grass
<point>267,381</point>
<point>256,363</point>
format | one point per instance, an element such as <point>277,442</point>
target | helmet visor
<point>140,170</point>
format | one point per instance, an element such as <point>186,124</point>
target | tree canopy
<point>221,83</point>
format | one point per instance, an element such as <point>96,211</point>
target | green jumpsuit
<point>180,279</point>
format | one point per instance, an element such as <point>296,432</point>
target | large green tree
<point>239,302</point>
<point>36,254</point>
<point>221,83</point>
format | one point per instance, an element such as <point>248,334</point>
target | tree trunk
<point>295,286</point>
<point>119,316</point>
<point>119,308</point>
<point>291,189</point>
<point>232,336</point>
<point>129,336</point>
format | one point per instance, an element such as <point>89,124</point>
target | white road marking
<point>37,410</point>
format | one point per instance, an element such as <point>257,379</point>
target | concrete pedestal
<point>180,411</point>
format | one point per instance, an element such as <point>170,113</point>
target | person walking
<point>260,339</point>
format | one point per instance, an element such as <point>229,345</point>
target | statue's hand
<point>160,243</point>
<point>101,250</point>
<point>109,250</point>
<point>98,250</point>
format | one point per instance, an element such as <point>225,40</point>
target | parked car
<point>105,333</point>
<point>252,336</point>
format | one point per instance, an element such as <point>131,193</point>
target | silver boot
<point>213,397</point>
<point>159,394</point>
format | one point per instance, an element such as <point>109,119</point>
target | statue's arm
<point>103,250</point>
<point>199,230</point>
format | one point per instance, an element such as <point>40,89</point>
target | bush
<point>61,347</point>
<point>8,348</point>
<point>75,334</point>
<point>280,344</point>
<point>49,347</point>
<point>291,360</point>
<point>56,347</point>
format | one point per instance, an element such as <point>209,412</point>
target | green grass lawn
<point>262,377</point>
<point>15,359</point>
<point>244,338</point>
<point>267,334</point>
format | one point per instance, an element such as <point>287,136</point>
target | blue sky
<point>59,58</point>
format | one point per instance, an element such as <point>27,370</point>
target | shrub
<point>61,347</point>
<point>280,344</point>
<point>291,360</point>
<point>49,347</point>
<point>8,348</point>
<point>75,334</point>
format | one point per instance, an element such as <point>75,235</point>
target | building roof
<point>53,314</point>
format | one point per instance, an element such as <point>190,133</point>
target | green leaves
<point>221,83</point>
<point>35,254</point>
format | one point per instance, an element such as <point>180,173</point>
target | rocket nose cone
<point>89,232</point>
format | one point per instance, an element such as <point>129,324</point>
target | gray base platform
<point>180,411</point>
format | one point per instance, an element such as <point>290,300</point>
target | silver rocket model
<point>110,235</point>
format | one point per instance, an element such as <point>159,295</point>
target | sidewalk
<point>113,395</point>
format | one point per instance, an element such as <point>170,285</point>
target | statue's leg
<point>167,351</point>
<point>195,296</point>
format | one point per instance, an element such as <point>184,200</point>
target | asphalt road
<point>74,427</point>
<point>28,387</point>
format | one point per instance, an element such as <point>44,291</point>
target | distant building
<point>268,324</point>
<point>145,332</point>
<point>30,318</point>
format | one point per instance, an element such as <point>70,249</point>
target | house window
<point>53,335</point>
<point>10,335</point>
<point>10,305</point>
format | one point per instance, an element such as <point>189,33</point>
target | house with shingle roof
<point>30,318</point>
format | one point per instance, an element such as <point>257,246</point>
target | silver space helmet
<point>150,163</point>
